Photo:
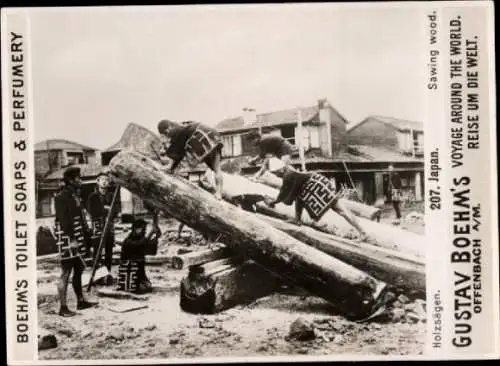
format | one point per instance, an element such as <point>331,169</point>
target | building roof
<point>368,153</point>
<point>276,118</point>
<point>60,144</point>
<point>140,139</point>
<point>87,171</point>
<point>399,124</point>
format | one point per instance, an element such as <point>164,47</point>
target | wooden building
<point>52,157</point>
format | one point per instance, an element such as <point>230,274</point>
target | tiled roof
<point>137,137</point>
<point>87,171</point>
<point>368,153</point>
<point>276,118</point>
<point>399,124</point>
<point>230,123</point>
<point>60,144</point>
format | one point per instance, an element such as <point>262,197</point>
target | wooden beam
<point>199,257</point>
<point>387,236</point>
<point>351,290</point>
<point>403,271</point>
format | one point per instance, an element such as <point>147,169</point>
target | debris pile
<point>415,217</point>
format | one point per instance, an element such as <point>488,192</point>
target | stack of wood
<point>264,250</point>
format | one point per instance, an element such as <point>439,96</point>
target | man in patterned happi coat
<point>132,271</point>
<point>312,191</point>
<point>71,230</point>
<point>99,208</point>
<point>395,193</point>
<point>200,142</point>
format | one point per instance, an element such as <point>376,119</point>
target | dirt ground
<point>162,330</point>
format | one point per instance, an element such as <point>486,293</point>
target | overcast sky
<point>97,69</point>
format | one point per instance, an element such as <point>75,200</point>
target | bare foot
<point>218,196</point>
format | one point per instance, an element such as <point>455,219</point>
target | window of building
<point>288,133</point>
<point>418,142</point>
<point>405,141</point>
<point>310,137</point>
<point>75,158</point>
<point>232,145</point>
<point>314,137</point>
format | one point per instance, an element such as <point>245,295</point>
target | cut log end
<point>211,290</point>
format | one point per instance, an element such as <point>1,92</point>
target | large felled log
<point>198,257</point>
<point>387,236</point>
<point>351,290</point>
<point>220,287</point>
<point>403,271</point>
<point>357,208</point>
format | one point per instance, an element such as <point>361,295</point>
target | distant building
<point>140,139</point>
<point>406,137</point>
<point>52,157</point>
<point>357,157</point>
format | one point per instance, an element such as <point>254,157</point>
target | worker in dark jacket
<point>312,191</point>
<point>99,208</point>
<point>200,142</point>
<point>133,264</point>
<point>395,191</point>
<point>71,229</point>
<point>270,146</point>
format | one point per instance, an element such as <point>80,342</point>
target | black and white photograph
<point>232,181</point>
<point>240,182</point>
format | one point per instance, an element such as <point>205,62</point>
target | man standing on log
<point>99,207</point>
<point>270,146</point>
<point>71,229</point>
<point>200,142</point>
<point>312,191</point>
<point>395,192</point>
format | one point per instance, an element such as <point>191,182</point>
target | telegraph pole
<point>300,143</point>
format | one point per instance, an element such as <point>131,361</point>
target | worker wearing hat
<point>312,191</point>
<point>71,230</point>
<point>132,259</point>
<point>395,193</point>
<point>100,205</point>
<point>200,142</point>
<point>269,146</point>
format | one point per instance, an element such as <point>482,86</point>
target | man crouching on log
<point>312,191</point>
<point>201,142</point>
<point>269,146</point>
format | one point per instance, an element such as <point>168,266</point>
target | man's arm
<point>93,207</point>
<point>263,168</point>
<point>63,216</point>
<point>175,165</point>
<point>299,207</point>
<point>282,195</point>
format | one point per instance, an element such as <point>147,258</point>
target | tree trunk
<point>350,289</point>
<point>357,208</point>
<point>387,236</point>
<point>198,257</point>
<point>403,271</point>
<point>223,286</point>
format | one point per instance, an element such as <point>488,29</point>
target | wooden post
<point>351,290</point>
<point>300,144</point>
